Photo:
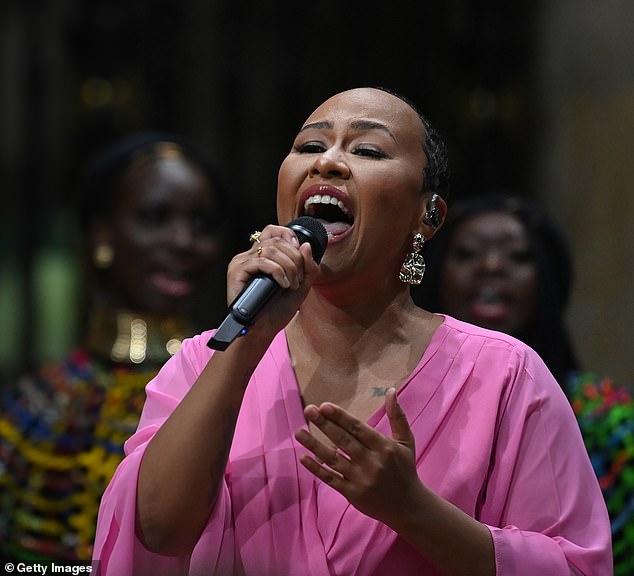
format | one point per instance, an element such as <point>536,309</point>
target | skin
<point>489,277</point>
<point>368,332</point>
<point>163,236</point>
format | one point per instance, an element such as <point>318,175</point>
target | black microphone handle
<point>253,298</point>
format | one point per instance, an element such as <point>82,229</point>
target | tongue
<point>334,228</point>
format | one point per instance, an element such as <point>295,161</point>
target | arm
<point>183,466</point>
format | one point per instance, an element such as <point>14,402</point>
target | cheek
<point>525,279</point>
<point>133,252</point>
<point>395,195</point>
<point>129,276</point>
<point>130,248</point>
<point>456,282</point>
<point>457,276</point>
<point>131,242</point>
<point>207,250</point>
<point>525,282</point>
<point>291,174</point>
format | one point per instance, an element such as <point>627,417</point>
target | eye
<point>464,254</point>
<point>369,152</point>
<point>521,256</point>
<point>310,148</point>
<point>154,216</point>
<point>203,224</point>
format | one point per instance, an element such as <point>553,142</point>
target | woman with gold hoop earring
<point>154,218</point>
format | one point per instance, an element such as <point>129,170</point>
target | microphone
<point>262,288</point>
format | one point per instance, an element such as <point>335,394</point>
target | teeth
<point>489,295</point>
<point>326,199</point>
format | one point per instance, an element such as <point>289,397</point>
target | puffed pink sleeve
<point>542,481</point>
<point>117,550</point>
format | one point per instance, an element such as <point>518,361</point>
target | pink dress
<point>494,435</point>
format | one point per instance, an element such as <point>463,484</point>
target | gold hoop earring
<point>413,267</point>
<point>103,256</point>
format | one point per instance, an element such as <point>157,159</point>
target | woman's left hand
<point>375,473</point>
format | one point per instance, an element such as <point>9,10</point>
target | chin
<point>161,304</point>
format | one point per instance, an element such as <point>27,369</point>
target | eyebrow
<point>360,125</point>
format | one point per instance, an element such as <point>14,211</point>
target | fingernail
<point>312,413</point>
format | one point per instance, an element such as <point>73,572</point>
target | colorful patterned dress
<point>61,438</point>
<point>606,416</point>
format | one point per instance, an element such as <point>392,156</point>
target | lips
<point>331,207</point>
<point>171,286</point>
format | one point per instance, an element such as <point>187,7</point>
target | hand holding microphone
<point>262,287</point>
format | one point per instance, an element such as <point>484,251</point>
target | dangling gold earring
<point>413,267</point>
<point>103,256</point>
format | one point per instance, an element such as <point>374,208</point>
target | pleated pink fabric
<point>494,435</point>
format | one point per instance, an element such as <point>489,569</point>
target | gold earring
<point>413,267</point>
<point>103,256</point>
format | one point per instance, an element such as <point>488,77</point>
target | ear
<point>100,233</point>
<point>433,215</point>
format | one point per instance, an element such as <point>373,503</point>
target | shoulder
<point>187,364</point>
<point>474,337</point>
<point>196,348</point>
<point>491,353</point>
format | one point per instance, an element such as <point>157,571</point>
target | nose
<point>330,163</point>
<point>181,233</point>
<point>493,261</point>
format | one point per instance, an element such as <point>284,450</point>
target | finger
<point>299,257</point>
<point>401,431</point>
<point>325,455</point>
<point>281,245</point>
<point>274,231</point>
<point>245,266</point>
<point>284,260</point>
<point>275,256</point>
<point>344,430</point>
<point>326,475</point>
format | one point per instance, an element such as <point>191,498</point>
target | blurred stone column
<point>585,168</point>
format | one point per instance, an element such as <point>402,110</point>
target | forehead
<point>371,104</point>
<point>493,226</point>
<point>176,179</point>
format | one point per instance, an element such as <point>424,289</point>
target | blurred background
<point>532,96</point>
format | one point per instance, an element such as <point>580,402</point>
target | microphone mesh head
<point>311,230</point>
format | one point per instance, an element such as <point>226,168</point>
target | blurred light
<point>97,92</point>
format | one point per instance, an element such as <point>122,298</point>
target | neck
<point>343,354</point>
<point>127,337</point>
<point>356,328</point>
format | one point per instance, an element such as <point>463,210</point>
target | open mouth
<point>489,304</point>
<point>171,285</point>
<point>331,212</point>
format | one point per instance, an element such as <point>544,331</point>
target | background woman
<point>500,263</point>
<point>153,217</point>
